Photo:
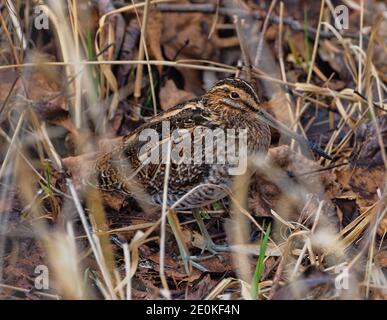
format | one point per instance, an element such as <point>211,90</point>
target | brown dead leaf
<point>113,30</point>
<point>297,40</point>
<point>331,52</point>
<point>127,53</point>
<point>361,184</point>
<point>178,28</point>
<point>153,35</point>
<point>263,195</point>
<point>202,287</point>
<point>170,95</point>
<point>366,152</point>
<point>56,115</point>
<point>42,87</point>
<point>198,240</point>
<point>186,34</point>
<point>382,229</point>
<point>43,91</point>
<point>280,107</point>
<point>381,259</point>
<point>347,209</point>
<point>20,271</point>
<point>367,172</point>
<point>172,267</point>
<point>219,264</point>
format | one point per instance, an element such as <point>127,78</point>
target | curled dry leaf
<point>114,200</point>
<point>127,53</point>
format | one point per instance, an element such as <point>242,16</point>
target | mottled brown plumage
<point>230,104</point>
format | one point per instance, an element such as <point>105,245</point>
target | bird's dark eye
<point>235,95</point>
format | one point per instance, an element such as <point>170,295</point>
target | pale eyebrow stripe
<point>227,86</point>
<point>251,87</point>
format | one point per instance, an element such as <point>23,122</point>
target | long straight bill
<point>271,121</point>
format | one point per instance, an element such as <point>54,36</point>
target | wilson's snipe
<point>231,104</point>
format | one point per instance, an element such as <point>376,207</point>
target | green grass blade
<point>260,265</point>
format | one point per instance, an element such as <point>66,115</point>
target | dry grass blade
<point>93,242</point>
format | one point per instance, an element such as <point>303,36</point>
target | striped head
<point>235,93</point>
<point>240,95</point>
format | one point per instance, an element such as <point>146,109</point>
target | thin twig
<point>230,69</point>
<point>359,70</point>
<point>151,82</point>
<point>43,294</point>
<point>316,42</point>
<point>245,56</point>
<point>138,81</point>
<point>262,34</point>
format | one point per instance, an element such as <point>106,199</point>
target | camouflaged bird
<point>231,104</point>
